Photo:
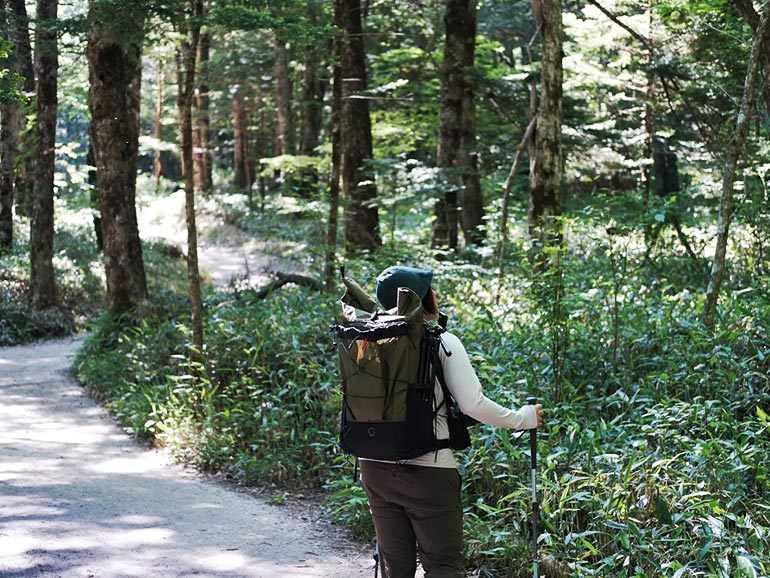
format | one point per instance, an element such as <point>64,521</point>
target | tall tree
<point>190,24</point>
<point>241,169</point>
<point>734,151</point>
<point>201,152</point>
<point>458,28</point>
<point>746,8</point>
<point>114,62</point>
<point>547,162</point>
<point>25,163</point>
<point>42,279</point>
<point>311,104</point>
<point>10,127</point>
<point>336,138</point>
<point>283,90</point>
<point>362,224</point>
<point>471,195</point>
<point>157,164</point>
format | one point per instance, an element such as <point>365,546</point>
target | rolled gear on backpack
<point>388,367</point>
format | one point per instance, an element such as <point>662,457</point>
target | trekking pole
<point>535,503</point>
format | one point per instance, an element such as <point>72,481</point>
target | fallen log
<point>286,278</point>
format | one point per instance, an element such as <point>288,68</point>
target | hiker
<point>416,502</point>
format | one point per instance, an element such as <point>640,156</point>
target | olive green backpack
<point>389,364</point>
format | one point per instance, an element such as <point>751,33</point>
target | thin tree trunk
<point>735,150</point>
<point>260,150</point>
<point>240,178</point>
<point>471,195</point>
<point>249,145</point>
<point>9,131</point>
<point>334,179</point>
<point>507,185</point>
<point>312,94</point>
<point>25,162</point>
<point>201,152</point>
<point>746,8</point>
<point>10,126</point>
<point>114,60</point>
<point>93,194</point>
<point>458,29</point>
<point>186,57</point>
<point>157,167</point>
<point>283,90</point>
<point>42,281</point>
<point>649,109</point>
<point>362,225</point>
<point>546,174</point>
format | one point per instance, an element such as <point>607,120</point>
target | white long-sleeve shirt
<point>464,385</point>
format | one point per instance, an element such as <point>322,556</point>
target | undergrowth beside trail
<point>653,461</point>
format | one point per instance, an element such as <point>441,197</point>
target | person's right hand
<point>539,414</point>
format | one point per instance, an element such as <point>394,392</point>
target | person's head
<point>418,280</point>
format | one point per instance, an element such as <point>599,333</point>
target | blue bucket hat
<point>388,282</point>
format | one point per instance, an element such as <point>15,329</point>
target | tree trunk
<point>115,82</point>
<point>261,142</point>
<point>283,90</point>
<point>459,27</point>
<point>157,165</point>
<point>186,57</point>
<point>362,225</point>
<point>311,107</point>
<point>249,145</point>
<point>312,93</point>
<point>10,126</point>
<point>9,130</point>
<point>734,151</point>
<point>42,280</point>
<point>649,109</point>
<point>334,179</point>
<point>746,8</point>
<point>471,195</point>
<point>201,152</point>
<point>546,173</point>
<point>239,142</point>
<point>25,163</point>
<point>93,194</point>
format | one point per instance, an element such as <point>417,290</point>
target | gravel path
<point>79,498</point>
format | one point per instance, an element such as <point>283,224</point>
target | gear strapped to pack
<point>389,366</point>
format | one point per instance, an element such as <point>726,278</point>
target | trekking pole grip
<point>535,503</point>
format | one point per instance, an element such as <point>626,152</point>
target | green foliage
<point>653,458</point>
<point>78,275</point>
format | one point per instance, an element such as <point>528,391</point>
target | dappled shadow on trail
<point>79,498</point>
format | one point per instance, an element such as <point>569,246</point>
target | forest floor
<point>81,498</point>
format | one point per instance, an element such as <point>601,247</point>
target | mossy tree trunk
<point>25,162</point>
<point>362,224</point>
<point>546,164</point>
<point>42,279</point>
<point>201,152</point>
<point>10,127</point>
<point>186,59</point>
<point>114,61</point>
<point>734,151</point>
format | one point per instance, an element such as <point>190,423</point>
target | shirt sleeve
<point>463,383</point>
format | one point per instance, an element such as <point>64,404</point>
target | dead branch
<point>285,279</point>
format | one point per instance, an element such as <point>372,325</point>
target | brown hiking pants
<point>416,508</point>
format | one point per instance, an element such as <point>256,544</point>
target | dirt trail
<point>79,498</point>
<point>232,255</point>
